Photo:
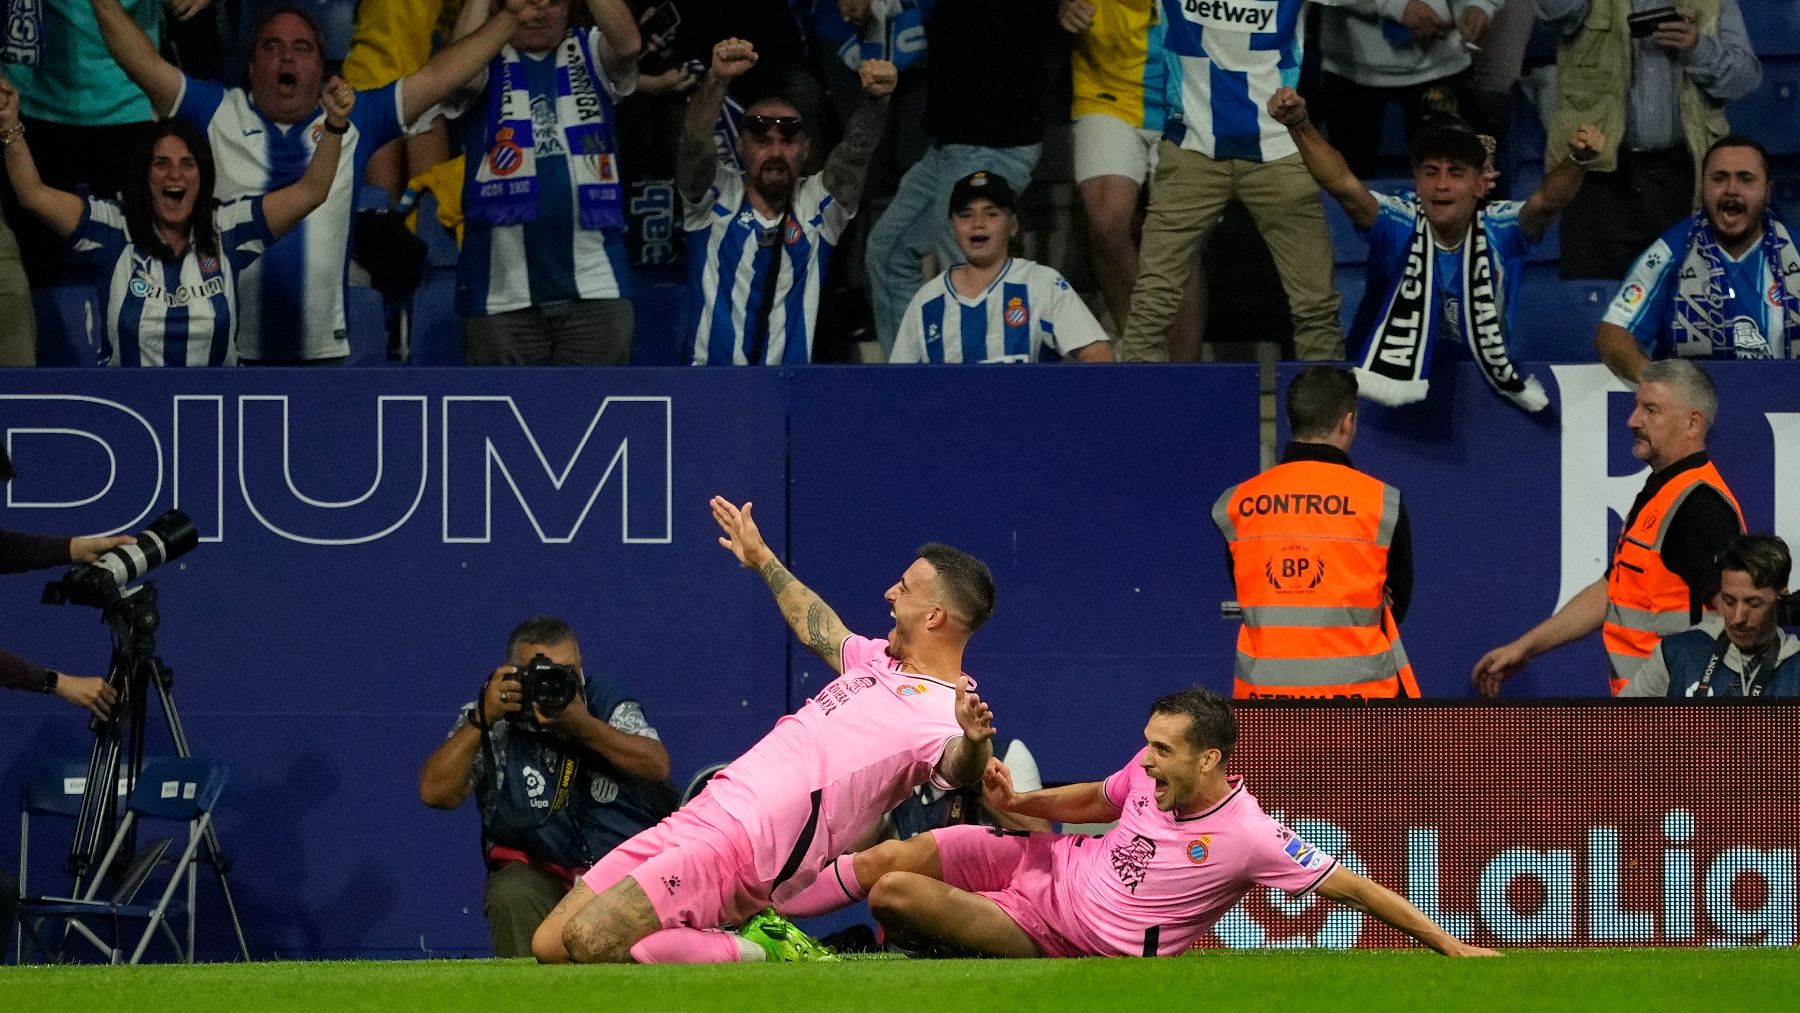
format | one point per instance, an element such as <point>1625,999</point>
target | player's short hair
<point>1318,398</point>
<point>1764,557</point>
<point>1738,141</point>
<point>545,631</point>
<point>1689,382</point>
<point>270,13</point>
<point>966,582</point>
<point>1211,725</point>
<point>1451,142</point>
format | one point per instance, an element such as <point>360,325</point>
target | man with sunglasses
<point>763,236</point>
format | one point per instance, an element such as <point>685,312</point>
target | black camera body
<point>547,684</point>
<point>1644,24</point>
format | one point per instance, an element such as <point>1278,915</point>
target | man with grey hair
<point>1742,651</point>
<point>1663,575</point>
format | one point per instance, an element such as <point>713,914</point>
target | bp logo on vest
<point>1294,569</point>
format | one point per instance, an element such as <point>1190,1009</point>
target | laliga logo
<point>1590,491</point>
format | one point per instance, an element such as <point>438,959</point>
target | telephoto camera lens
<point>170,536</point>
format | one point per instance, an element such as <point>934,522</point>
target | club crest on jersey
<point>209,264</point>
<point>1015,312</point>
<point>1198,851</point>
<point>791,234</point>
<point>318,132</point>
<point>506,157</point>
<point>911,689</point>
<point>1775,294</point>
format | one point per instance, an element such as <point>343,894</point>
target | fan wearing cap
<point>994,307</point>
<point>759,240</point>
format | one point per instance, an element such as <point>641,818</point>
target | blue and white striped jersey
<point>731,249</point>
<point>1753,315</point>
<point>1028,307</point>
<point>549,259</point>
<point>179,312</point>
<point>292,300</point>
<point>1226,60</point>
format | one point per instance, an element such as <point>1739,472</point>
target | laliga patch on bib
<point>1232,15</point>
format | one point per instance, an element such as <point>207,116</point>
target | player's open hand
<point>972,712</point>
<point>86,550</point>
<point>742,538</point>
<point>997,786</point>
<point>338,98</point>
<point>732,58</point>
<point>879,78</point>
<point>1497,666</point>
<point>1287,107</point>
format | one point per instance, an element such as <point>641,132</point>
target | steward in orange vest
<point>1663,573</point>
<point>1318,551</point>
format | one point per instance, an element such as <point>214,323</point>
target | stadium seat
<point>365,315</point>
<point>1555,319</point>
<point>1771,113</point>
<point>174,790</point>
<point>1350,282</point>
<point>1549,248</point>
<point>68,325</point>
<point>1774,26</point>
<point>435,335</point>
<point>1347,246</point>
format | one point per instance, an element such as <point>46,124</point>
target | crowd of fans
<point>828,178</point>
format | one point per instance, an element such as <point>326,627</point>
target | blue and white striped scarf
<point>505,191</point>
<point>24,33</point>
<point>1700,293</point>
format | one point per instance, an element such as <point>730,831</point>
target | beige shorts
<point>1108,146</point>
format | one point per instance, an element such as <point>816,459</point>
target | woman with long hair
<point>170,294</point>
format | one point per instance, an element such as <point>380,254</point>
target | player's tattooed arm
<point>813,621</point>
<point>848,165</point>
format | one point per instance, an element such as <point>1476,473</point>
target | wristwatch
<point>49,680</point>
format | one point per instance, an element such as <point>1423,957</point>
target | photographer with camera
<point>565,767</point>
<point>20,552</point>
<point>1740,650</point>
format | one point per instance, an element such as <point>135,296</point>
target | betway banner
<point>1606,824</point>
<point>1513,513</point>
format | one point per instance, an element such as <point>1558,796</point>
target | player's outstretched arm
<point>1364,894</point>
<point>813,621</point>
<point>1070,803</point>
<point>967,756</point>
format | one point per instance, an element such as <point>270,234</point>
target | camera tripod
<point>133,672</point>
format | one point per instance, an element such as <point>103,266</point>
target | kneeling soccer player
<point>1189,844</point>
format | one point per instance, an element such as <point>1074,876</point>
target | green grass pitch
<point>1630,981</point>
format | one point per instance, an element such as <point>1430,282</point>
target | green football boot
<point>782,940</point>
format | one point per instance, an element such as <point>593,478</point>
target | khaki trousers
<point>1187,194</point>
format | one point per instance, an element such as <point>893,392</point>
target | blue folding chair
<point>54,788</point>
<point>172,790</point>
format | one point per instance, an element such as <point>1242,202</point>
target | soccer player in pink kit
<point>1190,842</point>
<point>901,712</point>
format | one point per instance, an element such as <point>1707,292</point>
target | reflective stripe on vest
<point>1309,543</point>
<point>1645,600</point>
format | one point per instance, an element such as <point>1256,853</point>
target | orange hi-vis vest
<point>1645,600</point>
<point>1309,546</point>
